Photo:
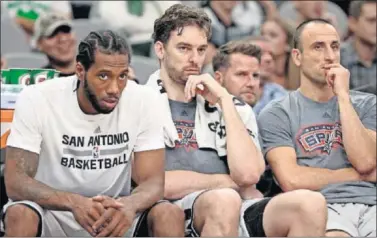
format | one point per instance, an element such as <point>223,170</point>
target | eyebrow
<point>189,45</point>
<point>322,42</point>
<point>109,71</point>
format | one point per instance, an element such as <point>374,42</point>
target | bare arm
<point>359,142</point>
<point>20,169</point>
<point>292,176</point>
<point>179,183</point>
<point>149,175</point>
<point>371,177</point>
<point>245,160</point>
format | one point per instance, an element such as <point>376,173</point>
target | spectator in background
<point>307,10</point>
<point>235,73</point>
<point>251,14</point>
<point>359,52</point>
<point>279,33</point>
<point>226,26</point>
<point>269,90</point>
<point>135,19</point>
<point>55,38</point>
<point>25,13</point>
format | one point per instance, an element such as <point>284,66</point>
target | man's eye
<point>317,47</point>
<point>201,51</point>
<point>123,77</point>
<point>183,48</point>
<point>102,76</point>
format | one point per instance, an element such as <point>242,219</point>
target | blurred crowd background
<point>25,42</point>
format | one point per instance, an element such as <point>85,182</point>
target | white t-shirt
<point>80,153</point>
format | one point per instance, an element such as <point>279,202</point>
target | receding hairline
<point>303,27</point>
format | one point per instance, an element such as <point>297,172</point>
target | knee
<point>167,213</point>
<point>310,203</point>
<point>20,215</point>
<point>337,234</point>
<point>220,203</point>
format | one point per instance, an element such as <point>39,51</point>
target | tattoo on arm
<point>25,161</point>
<point>22,165</point>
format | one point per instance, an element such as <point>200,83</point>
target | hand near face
<point>206,86</point>
<point>338,78</point>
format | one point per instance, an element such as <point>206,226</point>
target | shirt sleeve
<point>26,127</point>
<point>274,127</point>
<point>369,117</point>
<point>150,136</point>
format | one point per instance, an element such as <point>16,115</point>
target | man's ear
<point>80,71</point>
<point>296,57</point>
<point>219,77</point>
<point>159,50</point>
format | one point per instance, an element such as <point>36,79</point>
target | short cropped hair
<point>221,59</point>
<point>297,44</point>
<point>177,17</point>
<point>105,41</point>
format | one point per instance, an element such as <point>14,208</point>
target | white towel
<point>209,121</point>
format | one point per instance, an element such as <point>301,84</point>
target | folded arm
<point>359,142</point>
<point>292,176</point>
<point>245,160</point>
<point>179,183</point>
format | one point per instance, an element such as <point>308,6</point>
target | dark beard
<point>174,75</point>
<point>93,99</point>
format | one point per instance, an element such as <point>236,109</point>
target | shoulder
<point>50,89</point>
<point>275,88</point>
<point>362,100</point>
<point>139,93</point>
<point>280,106</point>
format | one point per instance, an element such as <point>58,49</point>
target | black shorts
<point>253,218</point>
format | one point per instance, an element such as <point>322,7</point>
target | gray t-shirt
<point>186,155</point>
<point>314,130</point>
